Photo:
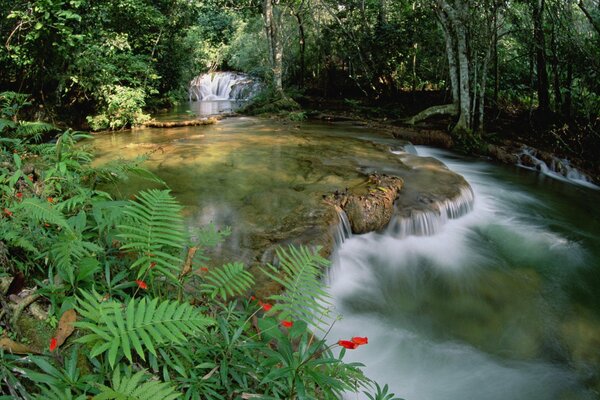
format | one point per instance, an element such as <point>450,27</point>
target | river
<point>500,302</point>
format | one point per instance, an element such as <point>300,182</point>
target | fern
<point>55,393</point>
<point>42,212</point>
<point>229,280</point>
<point>141,325</point>
<point>132,388</point>
<point>303,297</point>
<point>68,252</point>
<point>154,231</point>
<point>6,123</point>
<point>33,130</point>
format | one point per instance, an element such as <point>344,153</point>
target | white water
<point>450,301</point>
<point>219,86</point>
<point>558,169</point>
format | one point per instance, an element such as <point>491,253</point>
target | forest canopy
<point>533,63</point>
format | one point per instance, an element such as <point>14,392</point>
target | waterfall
<point>344,230</point>
<point>553,167</point>
<point>429,222</point>
<point>223,86</point>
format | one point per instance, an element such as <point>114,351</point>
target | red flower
<point>7,212</point>
<point>50,200</point>
<point>203,269</point>
<point>360,340</point>
<point>287,324</point>
<point>19,195</point>
<point>266,306</point>
<point>347,344</point>
<point>253,298</point>
<point>53,344</point>
<point>152,265</point>
<point>141,284</point>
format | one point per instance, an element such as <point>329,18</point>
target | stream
<point>495,298</point>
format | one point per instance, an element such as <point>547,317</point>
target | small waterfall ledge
<point>544,162</point>
<point>218,86</point>
<point>554,167</point>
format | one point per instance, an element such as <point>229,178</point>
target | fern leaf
<point>229,280</point>
<point>33,130</point>
<point>6,123</point>
<point>154,231</point>
<point>132,388</point>
<point>139,326</point>
<point>42,212</point>
<point>303,297</point>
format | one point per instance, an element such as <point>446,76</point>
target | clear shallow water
<point>501,303</point>
<point>263,178</point>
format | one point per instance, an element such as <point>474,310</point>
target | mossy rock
<point>273,104</point>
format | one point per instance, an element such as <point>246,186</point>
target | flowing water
<point>500,303</point>
<point>493,295</point>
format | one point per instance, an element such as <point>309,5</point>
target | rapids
<point>497,302</point>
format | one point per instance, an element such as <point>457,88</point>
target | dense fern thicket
<point>126,305</point>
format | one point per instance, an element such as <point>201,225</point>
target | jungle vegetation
<point>151,319</point>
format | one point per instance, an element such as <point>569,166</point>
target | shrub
<point>121,107</point>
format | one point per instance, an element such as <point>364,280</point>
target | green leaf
<point>116,328</point>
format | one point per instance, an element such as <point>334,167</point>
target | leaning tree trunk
<point>275,48</point>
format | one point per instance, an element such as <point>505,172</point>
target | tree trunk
<point>464,120</point>
<point>556,73</point>
<point>540,56</point>
<point>451,55</point>
<point>302,47</point>
<point>275,48</point>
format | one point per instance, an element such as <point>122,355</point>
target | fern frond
<point>140,325</point>
<point>68,250</point>
<point>303,297</point>
<point>154,231</point>
<point>57,393</point>
<point>33,130</point>
<point>6,123</point>
<point>42,212</point>
<point>132,388</point>
<point>80,199</point>
<point>229,280</point>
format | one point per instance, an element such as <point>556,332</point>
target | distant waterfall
<point>223,86</point>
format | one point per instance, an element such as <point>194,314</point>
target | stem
<point>19,310</point>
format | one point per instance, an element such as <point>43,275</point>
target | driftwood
<point>446,109</point>
<point>176,124</point>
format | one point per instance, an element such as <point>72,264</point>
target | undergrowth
<point>132,309</point>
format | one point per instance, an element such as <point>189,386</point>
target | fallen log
<point>177,124</point>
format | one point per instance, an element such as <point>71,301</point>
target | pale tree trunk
<point>457,16</point>
<point>540,56</point>
<point>451,55</point>
<point>275,47</point>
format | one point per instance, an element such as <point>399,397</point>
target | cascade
<point>553,167</point>
<point>429,221</point>
<point>223,86</point>
<point>343,230</point>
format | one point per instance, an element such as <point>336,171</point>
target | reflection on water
<point>499,304</point>
<point>264,179</point>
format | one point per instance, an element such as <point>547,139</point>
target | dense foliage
<point>128,307</point>
<point>534,62</point>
